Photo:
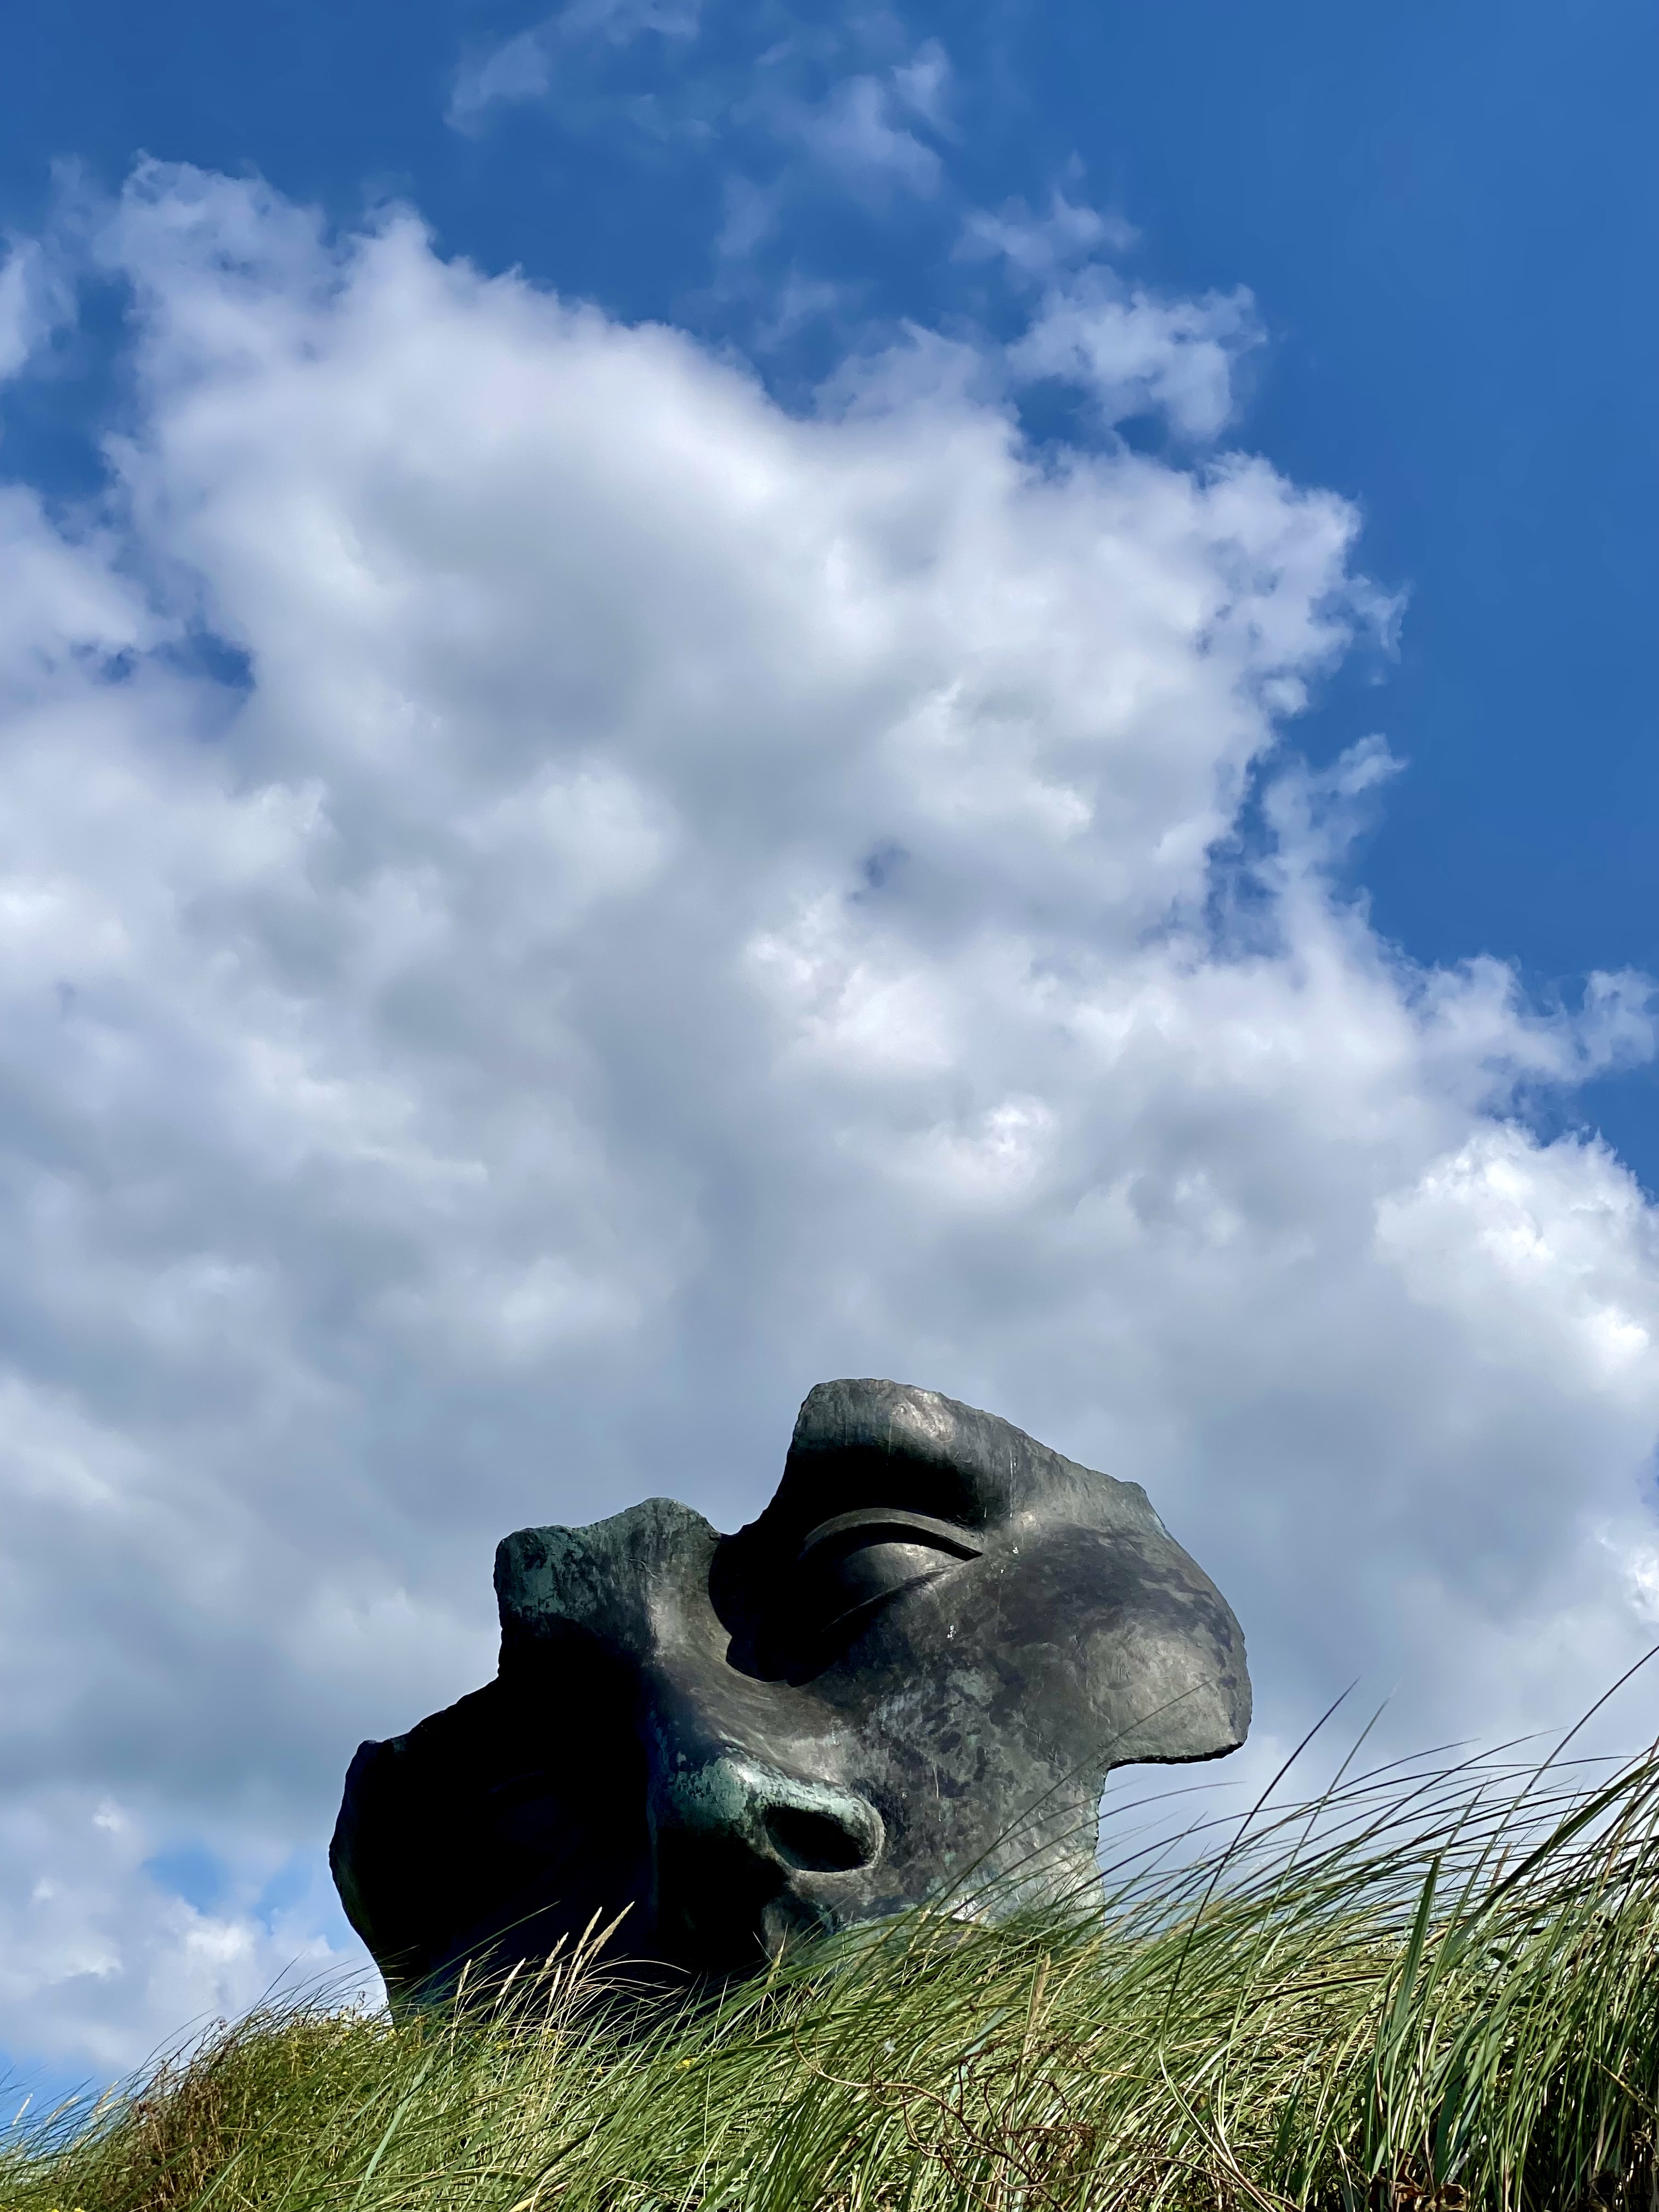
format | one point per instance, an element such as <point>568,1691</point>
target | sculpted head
<point>908,1677</point>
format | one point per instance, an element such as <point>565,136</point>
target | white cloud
<point>854,108</point>
<point>34,299</point>
<point>1035,245</point>
<point>519,69</point>
<point>1135,353</point>
<point>99,1964</point>
<point>862,130</point>
<point>697,900</point>
<point>525,67</point>
<point>923,84</point>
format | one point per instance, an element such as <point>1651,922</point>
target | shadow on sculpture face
<point>908,1678</point>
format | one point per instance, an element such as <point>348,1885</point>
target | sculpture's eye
<point>849,1566</point>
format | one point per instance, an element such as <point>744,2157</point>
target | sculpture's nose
<point>835,1834</point>
<point>748,1856</point>
<point>815,1827</point>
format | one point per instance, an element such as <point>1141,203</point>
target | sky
<point>697,698</point>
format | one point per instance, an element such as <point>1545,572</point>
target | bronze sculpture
<point>908,1678</point>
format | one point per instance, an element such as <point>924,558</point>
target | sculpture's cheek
<point>994,1637</point>
<point>995,1700</point>
<point>1165,1691</point>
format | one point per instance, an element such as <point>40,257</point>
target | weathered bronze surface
<point>908,1678</point>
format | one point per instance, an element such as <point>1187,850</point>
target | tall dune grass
<point>1435,1986</point>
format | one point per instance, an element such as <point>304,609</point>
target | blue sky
<point>1017,751</point>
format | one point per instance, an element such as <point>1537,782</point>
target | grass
<point>1434,1987</point>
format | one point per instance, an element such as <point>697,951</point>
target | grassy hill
<point>1436,1987</point>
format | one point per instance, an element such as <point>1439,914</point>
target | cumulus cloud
<point>690,899</point>
<point>90,1927</point>
<point>1135,353</point>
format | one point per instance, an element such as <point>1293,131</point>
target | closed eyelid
<point>853,1564</point>
<point>842,1572</point>
<point>888,1525</point>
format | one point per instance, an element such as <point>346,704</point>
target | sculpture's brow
<point>952,1492</point>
